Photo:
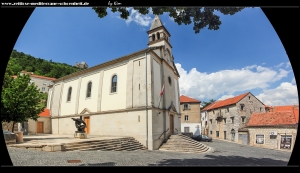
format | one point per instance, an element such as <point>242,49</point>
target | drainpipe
<point>146,100</point>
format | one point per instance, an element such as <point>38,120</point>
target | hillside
<point>20,61</point>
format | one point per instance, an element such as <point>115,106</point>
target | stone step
<point>182,143</point>
<point>107,145</point>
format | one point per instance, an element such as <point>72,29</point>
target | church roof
<point>156,23</point>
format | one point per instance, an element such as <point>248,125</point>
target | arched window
<point>158,36</point>
<point>69,94</point>
<point>89,90</point>
<point>153,37</point>
<point>114,84</point>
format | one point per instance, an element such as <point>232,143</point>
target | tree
<point>204,104</point>
<point>20,100</point>
<point>201,16</point>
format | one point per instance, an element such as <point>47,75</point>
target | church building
<point>136,95</point>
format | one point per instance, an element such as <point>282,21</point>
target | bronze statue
<point>80,124</point>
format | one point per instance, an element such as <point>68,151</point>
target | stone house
<point>228,118</point>
<point>276,129</point>
<point>190,115</point>
<point>123,97</point>
<point>42,82</point>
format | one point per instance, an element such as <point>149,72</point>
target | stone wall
<point>8,126</point>
<point>272,141</point>
<point>193,113</point>
<point>232,117</point>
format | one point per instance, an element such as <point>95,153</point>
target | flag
<point>162,90</point>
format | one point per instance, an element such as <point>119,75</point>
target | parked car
<point>202,138</point>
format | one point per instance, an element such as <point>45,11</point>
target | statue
<point>80,125</point>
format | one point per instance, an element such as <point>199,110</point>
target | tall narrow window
<point>158,36</point>
<point>153,37</point>
<point>114,84</point>
<point>89,90</point>
<point>69,94</point>
<point>186,118</point>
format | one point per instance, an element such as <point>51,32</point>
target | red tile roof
<point>272,119</point>
<point>45,113</point>
<point>225,102</point>
<point>185,99</point>
<point>37,76</point>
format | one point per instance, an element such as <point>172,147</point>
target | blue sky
<point>244,55</point>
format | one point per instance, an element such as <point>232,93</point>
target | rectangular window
<point>242,107</point>
<point>45,83</point>
<point>211,132</point>
<point>186,129</point>
<point>205,122</point>
<point>186,118</point>
<point>43,88</point>
<point>186,107</point>
<point>286,141</point>
<point>217,133</point>
<point>224,120</point>
<point>243,119</point>
<point>210,121</point>
<point>260,139</point>
<point>232,120</point>
<point>227,109</point>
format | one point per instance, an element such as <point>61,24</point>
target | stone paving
<point>223,153</point>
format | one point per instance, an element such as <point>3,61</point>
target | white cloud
<point>293,81</point>
<point>279,65</point>
<point>135,16</point>
<point>226,97</point>
<point>288,64</point>
<point>285,94</point>
<point>226,82</point>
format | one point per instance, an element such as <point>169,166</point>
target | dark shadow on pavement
<point>100,164</point>
<point>222,161</point>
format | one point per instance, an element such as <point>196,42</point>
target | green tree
<point>20,100</point>
<point>204,104</point>
<point>200,16</point>
<point>7,76</point>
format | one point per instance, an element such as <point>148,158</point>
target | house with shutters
<point>276,129</point>
<point>122,97</point>
<point>227,119</point>
<point>190,115</point>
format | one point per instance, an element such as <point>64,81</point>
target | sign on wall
<point>286,142</point>
<point>259,139</point>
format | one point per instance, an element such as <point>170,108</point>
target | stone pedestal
<point>19,136</point>
<point>80,135</point>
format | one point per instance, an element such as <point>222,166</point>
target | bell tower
<point>159,36</point>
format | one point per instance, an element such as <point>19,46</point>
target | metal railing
<point>163,133</point>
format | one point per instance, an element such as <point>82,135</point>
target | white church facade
<point>122,97</point>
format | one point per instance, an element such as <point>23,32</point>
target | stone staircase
<point>185,144</point>
<point>120,144</point>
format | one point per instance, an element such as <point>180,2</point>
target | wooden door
<point>87,122</point>
<point>171,124</point>
<point>39,127</point>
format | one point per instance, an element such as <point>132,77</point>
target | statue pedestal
<point>80,135</point>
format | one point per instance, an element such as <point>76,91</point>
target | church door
<point>87,122</point>
<point>39,127</point>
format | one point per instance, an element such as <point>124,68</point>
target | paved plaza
<point>222,153</point>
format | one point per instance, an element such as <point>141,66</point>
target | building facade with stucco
<point>122,97</point>
<point>190,115</point>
